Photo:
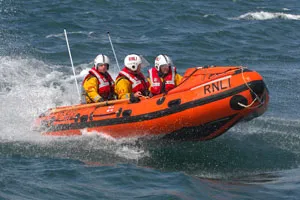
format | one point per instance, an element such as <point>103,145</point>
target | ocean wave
<point>61,35</point>
<point>28,87</point>
<point>262,15</point>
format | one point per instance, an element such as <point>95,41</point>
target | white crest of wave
<point>267,16</point>
<point>27,88</point>
<point>62,36</point>
<point>122,147</point>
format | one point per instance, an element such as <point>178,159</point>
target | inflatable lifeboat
<point>207,102</point>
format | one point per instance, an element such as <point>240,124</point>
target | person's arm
<point>178,79</point>
<point>123,88</point>
<point>91,88</point>
<point>149,89</point>
<point>150,83</point>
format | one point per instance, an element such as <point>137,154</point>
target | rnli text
<point>217,86</point>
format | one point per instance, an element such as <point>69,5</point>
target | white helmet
<point>132,61</point>
<point>101,59</point>
<point>162,60</point>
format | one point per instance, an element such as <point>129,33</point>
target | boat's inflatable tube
<point>206,104</point>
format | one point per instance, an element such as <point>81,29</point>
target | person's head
<point>133,62</point>
<point>163,63</point>
<point>101,63</point>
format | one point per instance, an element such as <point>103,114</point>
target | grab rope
<point>256,96</point>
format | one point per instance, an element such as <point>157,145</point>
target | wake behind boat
<point>206,104</point>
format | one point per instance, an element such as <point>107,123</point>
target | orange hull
<point>206,104</point>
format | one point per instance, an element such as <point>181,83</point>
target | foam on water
<point>62,36</point>
<point>123,147</point>
<point>262,15</point>
<point>25,91</point>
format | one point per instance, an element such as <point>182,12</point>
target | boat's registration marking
<point>215,85</point>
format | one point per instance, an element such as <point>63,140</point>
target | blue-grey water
<point>259,159</point>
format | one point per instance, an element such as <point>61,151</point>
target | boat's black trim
<point>156,114</point>
<point>199,132</point>
<point>102,115</point>
<point>84,118</point>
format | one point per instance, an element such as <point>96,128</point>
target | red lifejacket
<point>105,83</point>
<point>138,81</point>
<point>157,85</point>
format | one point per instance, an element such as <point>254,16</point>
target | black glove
<point>150,95</point>
<point>134,99</point>
<point>100,100</point>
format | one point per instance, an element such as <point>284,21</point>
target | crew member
<point>98,85</point>
<point>163,77</point>
<point>131,83</point>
